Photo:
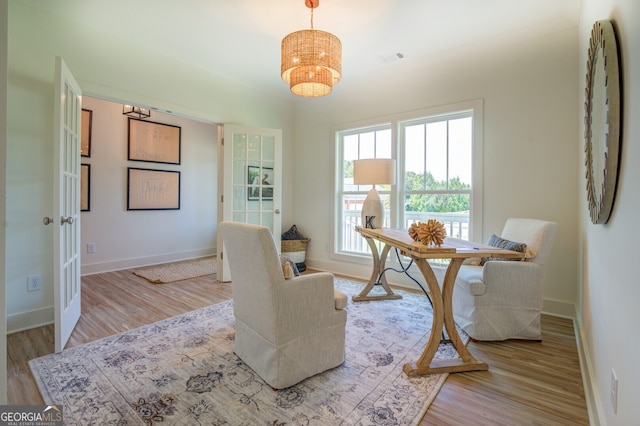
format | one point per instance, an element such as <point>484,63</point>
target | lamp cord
<point>405,270</point>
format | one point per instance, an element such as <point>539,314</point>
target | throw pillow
<point>292,234</point>
<point>503,243</point>
<point>289,268</point>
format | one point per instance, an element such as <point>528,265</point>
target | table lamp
<point>374,171</point>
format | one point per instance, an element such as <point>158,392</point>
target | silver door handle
<point>64,220</point>
<point>47,220</point>
<point>277,211</point>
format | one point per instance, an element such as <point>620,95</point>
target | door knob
<point>64,220</point>
<point>47,220</point>
<point>277,211</point>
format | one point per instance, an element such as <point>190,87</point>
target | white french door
<point>251,189</point>
<point>66,199</point>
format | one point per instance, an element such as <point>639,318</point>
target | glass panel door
<point>252,181</point>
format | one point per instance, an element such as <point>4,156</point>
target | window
<point>372,142</point>
<point>438,157</point>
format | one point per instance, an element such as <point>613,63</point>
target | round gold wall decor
<point>602,120</point>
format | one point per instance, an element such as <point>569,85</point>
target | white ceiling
<point>240,39</point>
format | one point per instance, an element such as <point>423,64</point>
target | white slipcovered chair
<point>503,299</point>
<point>286,329</point>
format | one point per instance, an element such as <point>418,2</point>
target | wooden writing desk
<point>455,249</point>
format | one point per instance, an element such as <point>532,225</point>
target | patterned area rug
<point>182,371</point>
<point>177,271</point>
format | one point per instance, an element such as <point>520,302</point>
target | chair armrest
<point>314,291</point>
<point>509,277</point>
<point>309,298</point>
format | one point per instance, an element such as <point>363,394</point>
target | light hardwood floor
<point>528,383</point>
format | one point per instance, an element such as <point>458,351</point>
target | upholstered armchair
<point>500,299</point>
<point>286,329</point>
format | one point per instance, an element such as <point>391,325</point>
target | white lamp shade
<point>374,171</point>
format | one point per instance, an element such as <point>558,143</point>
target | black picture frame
<point>85,187</point>
<point>259,183</point>
<point>153,142</point>
<point>85,132</point>
<point>152,189</point>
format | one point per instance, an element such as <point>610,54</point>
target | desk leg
<point>443,316</point>
<point>377,275</point>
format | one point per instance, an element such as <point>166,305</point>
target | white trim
<point>595,410</point>
<point>475,106</point>
<point>4,40</point>
<point>558,308</point>
<point>28,320</point>
<point>117,265</point>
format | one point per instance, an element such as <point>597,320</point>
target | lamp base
<point>372,210</point>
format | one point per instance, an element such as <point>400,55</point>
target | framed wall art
<point>149,189</point>
<point>154,142</point>
<point>85,133</point>
<point>85,187</point>
<point>260,181</point>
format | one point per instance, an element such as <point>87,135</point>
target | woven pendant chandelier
<point>311,60</point>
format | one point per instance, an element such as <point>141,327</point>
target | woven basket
<point>296,250</point>
<point>293,245</point>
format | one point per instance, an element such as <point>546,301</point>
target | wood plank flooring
<point>528,383</point>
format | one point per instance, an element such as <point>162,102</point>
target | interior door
<point>251,189</point>
<point>66,190</point>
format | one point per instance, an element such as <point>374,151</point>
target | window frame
<point>396,122</point>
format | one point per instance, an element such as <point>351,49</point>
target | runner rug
<point>177,271</point>
<point>183,371</point>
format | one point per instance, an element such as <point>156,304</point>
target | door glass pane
<point>239,145</point>
<point>253,218</point>
<point>268,149</point>
<point>267,220</point>
<point>254,147</point>
<point>239,198</point>
<point>239,172</point>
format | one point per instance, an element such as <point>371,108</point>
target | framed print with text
<point>153,189</point>
<point>154,142</point>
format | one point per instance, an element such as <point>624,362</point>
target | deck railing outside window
<point>456,224</point>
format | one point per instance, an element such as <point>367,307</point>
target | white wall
<point>109,69</point>
<point>608,312</point>
<point>530,111</point>
<point>132,238</point>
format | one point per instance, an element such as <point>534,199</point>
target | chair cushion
<point>340,299</point>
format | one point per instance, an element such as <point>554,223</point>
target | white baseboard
<point>558,308</point>
<point>586,367</point>
<point>117,265</point>
<point>27,320</point>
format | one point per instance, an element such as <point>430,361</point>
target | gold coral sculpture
<point>430,233</point>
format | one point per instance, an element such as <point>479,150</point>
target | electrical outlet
<point>614,391</point>
<point>34,283</point>
<point>91,247</point>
